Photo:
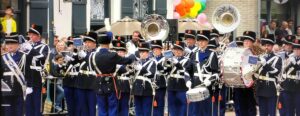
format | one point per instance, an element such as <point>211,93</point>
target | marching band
<point>102,74</point>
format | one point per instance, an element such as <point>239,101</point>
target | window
<point>97,10</point>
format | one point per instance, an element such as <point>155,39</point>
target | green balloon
<point>202,8</point>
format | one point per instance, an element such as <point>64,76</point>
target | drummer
<point>244,101</point>
<point>206,71</point>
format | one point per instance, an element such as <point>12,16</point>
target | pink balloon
<point>176,15</point>
<point>202,18</point>
<point>208,25</point>
<point>176,2</point>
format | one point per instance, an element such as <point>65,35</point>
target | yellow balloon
<point>194,10</point>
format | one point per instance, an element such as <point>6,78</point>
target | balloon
<point>203,1</point>
<point>203,7</point>
<point>176,15</point>
<point>176,2</point>
<point>194,10</point>
<point>202,18</point>
<point>207,25</point>
<point>181,9</point>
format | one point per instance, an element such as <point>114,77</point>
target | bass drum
<point>236,69</point>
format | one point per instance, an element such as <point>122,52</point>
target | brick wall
<point>247,8</point>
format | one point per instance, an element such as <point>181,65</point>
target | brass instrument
<point>154,27</point>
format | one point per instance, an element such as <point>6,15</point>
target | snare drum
<point>197,94</point>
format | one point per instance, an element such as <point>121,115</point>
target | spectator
<point>281,33</point>
<point>298,33</point>
<point>271,28</point>
<point>8,22</point>
<point>291,27</point>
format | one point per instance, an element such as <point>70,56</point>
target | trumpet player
<point>267,82</point>
<point>85,82</point>
<point>244,101</point>
<point>143,87</point>
<point>205,67</point>
<point>160,79</point>
<point>290,96</point>
<point>178,80</point>
<point>34,81</point>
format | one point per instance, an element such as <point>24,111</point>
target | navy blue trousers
<point>143,105</point>
<point>160,100</point>
<point>290,103</point>
<point>12,106</point>
<point>177,103</point>
<point>33,102</point>
<point>70,99</point>
<point>123,109</point>
<point>201,108</point>
<point>244,102</point>
<point>222,103</point>
<point>267,105</point>
<point>107,104</point>
<point>86,102</point>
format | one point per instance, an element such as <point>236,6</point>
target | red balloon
<point>180,8</point>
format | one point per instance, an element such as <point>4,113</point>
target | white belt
<point>73,73</point>
<point>293,77</point>
<point>38,68</point>
<point>8,73</point>
<point>177,76</point>
<point>87,72</point>
<point>143,78</point>
<point>266,78</point>
<point>124,78</point>
<point>203,75</point>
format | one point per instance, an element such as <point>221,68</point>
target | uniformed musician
<point>104,63</point>
<point>219,93</point>
<point>143,87</point>
<point>85,82</point>
<point>69,80</point>
<point>290,101</point>
<point>244,101</point>
<point>178,80</point>
<point>160,79</point>
<point>15,68</point>
<point>190,40</point>
<point>41,53</point>
<point>205,66</point>
<point>124,74</point>
<point>266,83</point>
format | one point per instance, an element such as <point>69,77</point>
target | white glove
<point>262,61</point>
<point>26,47</point>
<point>29,90</point>
<point>292,60</point>
<point>68,58</point>
<point>174,60</point>
<point>207,83</point>
<point>81,54</point>
<point>138,67</point>
<point>188,84</point>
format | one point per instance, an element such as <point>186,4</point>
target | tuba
<point>226,18</point>
<point>154,27</point>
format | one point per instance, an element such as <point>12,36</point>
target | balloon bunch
<point>188,8</point>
